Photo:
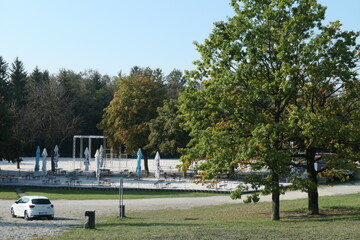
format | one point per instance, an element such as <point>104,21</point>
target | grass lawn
<point>339,219</point>
<point>52,194</point>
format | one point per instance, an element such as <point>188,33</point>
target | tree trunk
<point>312,189</point>
<point>313,202</point>
<point>275,198</point>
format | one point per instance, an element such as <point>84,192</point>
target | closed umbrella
<point>56,156</point>
<point>86,160</point>
<point>138,168</point>
<point>157,163</point>
<point>97,159</point>
<point>37,161</point>
<point>44,156</point>
<point>101,150</point>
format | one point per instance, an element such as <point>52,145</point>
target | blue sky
<point>114,35</point>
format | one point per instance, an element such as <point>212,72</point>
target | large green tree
<point>253,69</point>
<point>126,119</point>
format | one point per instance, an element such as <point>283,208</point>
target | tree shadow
<point>154,224</point>
<point>128,221</point>
<point>333,213</point>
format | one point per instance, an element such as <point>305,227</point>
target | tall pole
<point>74,151</point>
<point>89,149</point>
<point>81,151</point>
<point>121,199</point>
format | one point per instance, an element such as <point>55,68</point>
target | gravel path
<point>70,213</point>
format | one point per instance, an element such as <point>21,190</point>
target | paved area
<point>71,174</point>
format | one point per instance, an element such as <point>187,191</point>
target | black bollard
<point>90,223</point>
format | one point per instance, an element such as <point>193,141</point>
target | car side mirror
<point>16,202</point>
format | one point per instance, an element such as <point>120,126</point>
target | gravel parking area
<point>71,213</point>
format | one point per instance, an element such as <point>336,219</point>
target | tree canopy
<point>256,73</point>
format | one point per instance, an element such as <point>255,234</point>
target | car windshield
<point>41,201</point>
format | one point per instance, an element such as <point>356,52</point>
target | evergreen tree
<point>18,80</point>
<point>175,83</point>
<point>4,80</point>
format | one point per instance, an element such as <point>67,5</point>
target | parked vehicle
<point>30,207</point>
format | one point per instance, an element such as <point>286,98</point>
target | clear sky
<point>114,35</point>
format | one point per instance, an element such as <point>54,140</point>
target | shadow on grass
<point>154,224</point>
<point>334,213</point>
<point>69,219</point>
<point>128,222</point>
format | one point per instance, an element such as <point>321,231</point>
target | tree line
<point>43,109</point>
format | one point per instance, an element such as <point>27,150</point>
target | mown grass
<point>53,194</point>
<point>339,219</point>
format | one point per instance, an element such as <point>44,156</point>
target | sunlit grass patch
<point>338,220</point>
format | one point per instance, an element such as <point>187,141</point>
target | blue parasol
<point>37,162</point>
<point>138,168</point>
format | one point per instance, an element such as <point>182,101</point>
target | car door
<point>20,206</point>
<point>16,206</point>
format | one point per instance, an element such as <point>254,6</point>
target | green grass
<point>53,194</point>
<point>339,219</point>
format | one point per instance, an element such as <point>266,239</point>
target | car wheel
<point>26,216</point>
<point>12,213</point>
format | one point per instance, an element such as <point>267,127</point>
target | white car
<point>33,206</point>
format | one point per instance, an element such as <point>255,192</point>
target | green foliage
<point>175,83</point>
<point>85,96</point>
<point>6,122</point>
<point>52,121</point>
<point>4,79</point>
<point>270,75</point>
<point>95,94</point>
<point>166,134</point>
<point>11,97</point>
<point>18,81</point>
<point>11,146</point>
<point>37,77</point>
<point>90,92</point>
<point>126,119</point>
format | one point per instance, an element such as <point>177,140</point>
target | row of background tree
<point>48,109</point>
